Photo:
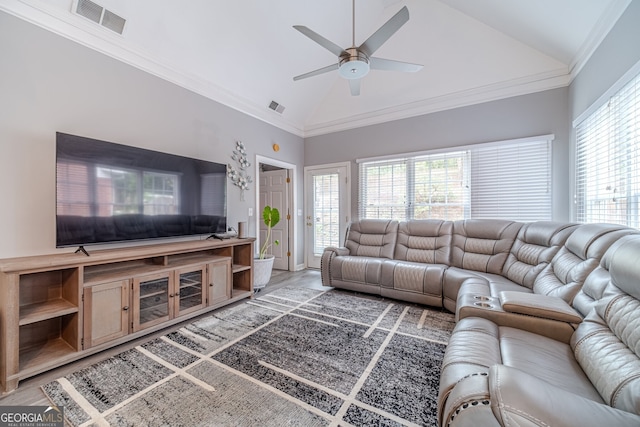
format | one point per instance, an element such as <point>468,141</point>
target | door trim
<point>293,236</point>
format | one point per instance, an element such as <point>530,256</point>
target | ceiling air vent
<point>89,10</point>
<point>113,21</point>
<point>100,15</point>
<point>276,107</point>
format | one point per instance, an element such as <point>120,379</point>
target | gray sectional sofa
<point>548,313</point>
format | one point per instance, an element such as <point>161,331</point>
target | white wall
<point>523,116</point>
<point>49,84</point>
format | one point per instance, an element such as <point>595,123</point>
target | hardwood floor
<point>29,392</point>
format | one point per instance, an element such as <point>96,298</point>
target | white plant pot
<point>262,271</point>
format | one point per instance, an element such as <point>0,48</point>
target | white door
<point>327,209</point>
<point>274,192</point>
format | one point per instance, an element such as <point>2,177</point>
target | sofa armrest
<point>518,398</point>
<point>538,305</point>
<point>325,262</point>
<point>341,251</point>
<point>507,396</point>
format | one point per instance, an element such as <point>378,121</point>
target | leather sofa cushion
<point>547,359</point>
<point>426,241</point>
<point>482,245</point>
<point>372,238</point>
<point>413,277</point>
<point>624,266</point>
<point>520,399</point>
<point>593,289</point>
<point>539,306</point>
<point>534,247</point>
<point>476,344</point>
<point>607,346</point>
<point>580,255</point>
<point>361,269</point>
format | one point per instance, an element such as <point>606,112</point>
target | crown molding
<point>597,35</point>
<point>502,90</point>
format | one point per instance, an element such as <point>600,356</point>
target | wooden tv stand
<point>58,308</point>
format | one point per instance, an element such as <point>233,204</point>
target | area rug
<point>295,356</point>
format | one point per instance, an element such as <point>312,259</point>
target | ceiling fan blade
<point>391,65</point>
<point>354,85</point>
<point>327,44</point>
<point>378,38</point>
<point>316,72</point>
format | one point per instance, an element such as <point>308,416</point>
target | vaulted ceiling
<point>245,53</point>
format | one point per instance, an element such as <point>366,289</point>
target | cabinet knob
<point>125,308</point>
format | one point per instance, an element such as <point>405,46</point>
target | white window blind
<point>607,160</point>
<point>508,179</point>
<point>512,181</point>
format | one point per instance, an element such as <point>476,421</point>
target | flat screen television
<point>107,192</point>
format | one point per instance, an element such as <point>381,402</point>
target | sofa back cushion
<point>580,255</point>
<point>607,343</point>
<point>427,241</point>
<point>593,289</point>
<point>533,249</point>
<point>372,238</point>
<point>482,245</point>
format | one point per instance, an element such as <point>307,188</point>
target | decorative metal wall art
<point>238,175</point>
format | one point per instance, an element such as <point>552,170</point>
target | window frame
<point>466,153</point>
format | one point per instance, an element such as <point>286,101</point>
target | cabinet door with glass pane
<point>189,294</point>
<point>151,301</point>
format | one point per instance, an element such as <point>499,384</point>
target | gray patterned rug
<point>295,356</point>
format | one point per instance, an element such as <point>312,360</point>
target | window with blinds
<point>608,160</point>
<point>512,181</point>
<point>421,187</point>
<point>509,179</point>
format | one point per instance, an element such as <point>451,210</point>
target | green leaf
<point>270,216</point>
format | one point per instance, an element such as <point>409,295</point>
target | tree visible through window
<point>417,187</point>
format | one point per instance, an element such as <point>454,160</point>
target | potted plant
<point>263,264</point>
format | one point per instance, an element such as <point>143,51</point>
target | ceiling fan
<point>355,62</point>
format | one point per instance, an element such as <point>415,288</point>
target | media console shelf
<point>58,308</point>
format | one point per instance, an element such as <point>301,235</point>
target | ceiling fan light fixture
<point>355,65</point>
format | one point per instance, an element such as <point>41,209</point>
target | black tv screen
<point>107,192</point>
